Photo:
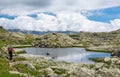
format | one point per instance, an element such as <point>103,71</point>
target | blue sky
<point>105,15</point>
<point>101,15</point>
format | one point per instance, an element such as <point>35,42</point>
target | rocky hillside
<point>103,41</point>
<point>99,41</point>
<point>7,37</point>
<point>54,40</point>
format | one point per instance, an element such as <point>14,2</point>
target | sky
<point>60,15</point>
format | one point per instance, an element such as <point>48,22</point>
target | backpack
<point>10,49</point>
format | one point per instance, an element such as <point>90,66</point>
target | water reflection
<point>66,54</point>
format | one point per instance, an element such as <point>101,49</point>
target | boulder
<point>116,53</point>
<point>107,59</point>
<point>29,65</point>
<point>113,60</point>
<point>118,62</point>
<point>99,65</point>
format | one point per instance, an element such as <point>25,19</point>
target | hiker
<point>10,52</point>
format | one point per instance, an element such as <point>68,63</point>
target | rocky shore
<point>43,67</point>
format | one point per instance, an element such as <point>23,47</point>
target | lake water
<point>66,54</point>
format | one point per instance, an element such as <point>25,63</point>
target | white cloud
<point>115,24</point>
<point>62,22</point>
<point>84,4</point>
<point>16,7</point>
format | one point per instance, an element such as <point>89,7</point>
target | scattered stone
<point>49,70</point>
<point>118,62</point>
<point>107,59</point>
<point>113,60</point>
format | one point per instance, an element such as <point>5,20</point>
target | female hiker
<point>10,52</point>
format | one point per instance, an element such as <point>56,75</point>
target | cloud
<point>28,6</point>
<point>60,22</point>
<point>116,24</point>
<point>40,3</point>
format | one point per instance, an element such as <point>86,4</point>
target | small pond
<point>67,54</point>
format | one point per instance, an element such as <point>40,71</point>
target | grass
<point>7,74</point>
<point>59,71</point>
<point>22,68</point>
<point>97,59</point>
<point>4,69</point>
<point>106,51</point>
<point>93,50</point>
<point>21,52</point>
<point>108,64</point>
<point>22,46</point>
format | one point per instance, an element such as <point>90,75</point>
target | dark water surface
<point>66,54</point>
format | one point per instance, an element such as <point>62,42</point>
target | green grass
<point>23,69</point>
<point>21,52</point>
<point>7,74</point>
<point>108,64</point>
<point>22,46</point>
<point>97,59</point>
<point>4,69</point>
<point>90,50</point>
<point>59,71</point>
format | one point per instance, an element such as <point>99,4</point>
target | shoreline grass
<point>23,46</point>
<point>92,50</point>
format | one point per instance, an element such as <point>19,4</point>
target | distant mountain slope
<point>40,32</point>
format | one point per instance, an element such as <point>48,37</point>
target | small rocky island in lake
<point>54,40</point>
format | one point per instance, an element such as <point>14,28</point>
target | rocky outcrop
<point>15,37</point>
<point>117,53</point>
<point>54,40</point>
<point>63,69</point>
